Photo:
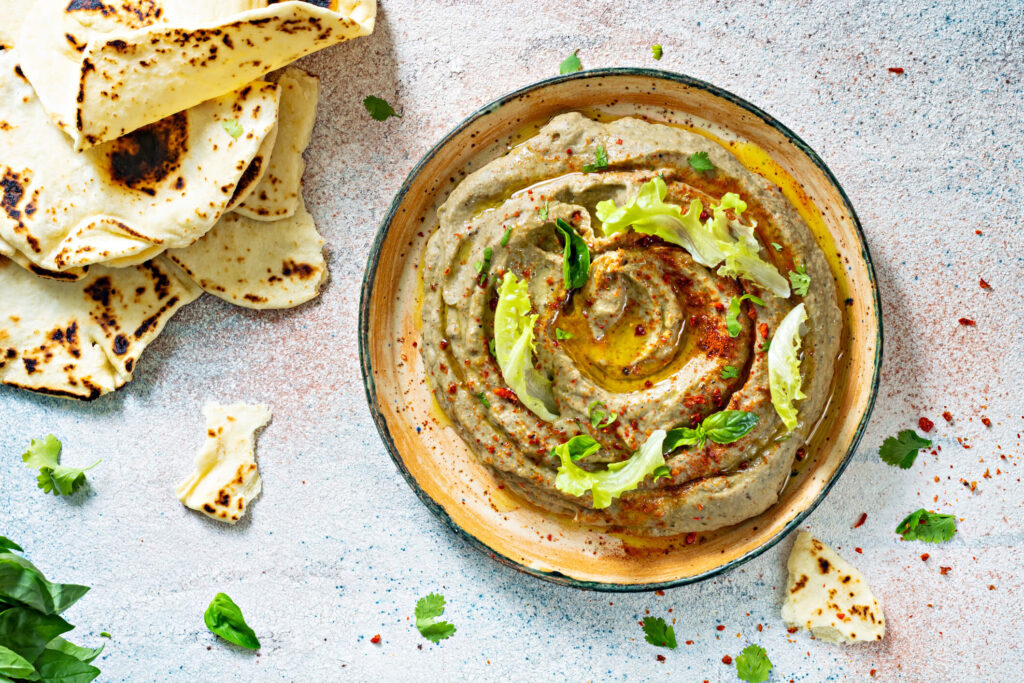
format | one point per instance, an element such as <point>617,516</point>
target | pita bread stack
<point>150,150</point>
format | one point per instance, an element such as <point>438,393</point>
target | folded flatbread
<point>278,193</point>
<point>122,202</point>
<point>106,69</point>
<point>83,339</point>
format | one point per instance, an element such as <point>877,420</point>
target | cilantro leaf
<point>656,51</point>
<point>600,160</point>
<point>562,335</point>
<point>753,665</point>
<point>902,450</point>
<point>732,318</point>
<point>60,480</point>
<point>570,64</point>
<point>543,212</point>
<point>699,161</point>
<point>428,609</point>
<point>730,371</point>
<point>233,127</point>
<point>930,527</point>
<point>800,280</point>
<point>379,109</point>
<point>658,633</point>
<point>599,416</point>
<point>224,618</point>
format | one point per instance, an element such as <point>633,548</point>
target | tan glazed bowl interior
<point>441,468</point>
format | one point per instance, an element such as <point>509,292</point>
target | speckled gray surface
<point>338,548</point>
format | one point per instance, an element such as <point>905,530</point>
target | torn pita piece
<point>83,339</point>
<point>257,264</point>
<point>829,597</point>
<point>103,70</point>
<point>226,477</point>
<point>125,201</point>
<point>279,191</point>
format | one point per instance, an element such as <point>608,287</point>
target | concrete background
<point>338,548</point>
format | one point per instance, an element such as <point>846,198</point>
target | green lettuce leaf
<point>513,347</point>
<point>784,366</point>
<point>611,483</point>
<point>709,243</point>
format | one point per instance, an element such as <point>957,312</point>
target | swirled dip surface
<point>648,330</point>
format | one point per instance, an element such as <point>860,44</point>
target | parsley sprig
<point>428,609</point>
<point>800,280</point>
<point>930,527</point>
<point>658,633</point>
<point>699,161</point>
<point>753,665</point>
<point>903,449</point>
<point>60,480</point>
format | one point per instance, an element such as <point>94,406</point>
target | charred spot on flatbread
<point>249,178</point>
<point>144,159</point>
<point>13,185</point>
<point>132,14</point>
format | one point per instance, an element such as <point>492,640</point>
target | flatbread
<point>278,193</point>
<point>69,275</point>
<point>829,597</point>
<point>127,200</point>
<point>105,70</point>
<point>258,264</point>
<point>13,13</point>
<point>83,339</point>
<point>226,477</point>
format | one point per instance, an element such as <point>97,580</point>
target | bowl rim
<point>364,326</point>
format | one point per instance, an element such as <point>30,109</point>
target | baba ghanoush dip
<point>629,327</point>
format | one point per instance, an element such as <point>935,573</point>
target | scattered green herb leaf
<point>224,618</point>
<point>106,634</point>
<point>570,64</point>
<point>490,347</point>
<point>506,236</point>
<point>233,127</point>
<point>776,246</point>
<point>600,160</point>
<point>657,632</point>
<point>44,455</point>
<point>578,447</point>
<point>662,471</point>
<point>599,415</point>
<point>902,450</point>
<point>699,161</point>
<point>930,527</point>
<point>428,609</point>
<point>483,399</point>
<point>575,256</point>
<point>732,317</point>
<point>753,665</point>
<point>656,51</point>
<point>562,335</point>
<point>730,371</point>
<point>543,212</point>
<point>800,281</point>
<point>379,109</point>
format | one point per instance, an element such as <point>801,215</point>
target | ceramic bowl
<point>433,458</point>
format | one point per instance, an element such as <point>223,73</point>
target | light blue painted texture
<point>338,548</point>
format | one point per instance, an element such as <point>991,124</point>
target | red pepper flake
<point>987,422</point>
<point>872,672</point>
<point>569,152</point>
<point>719,306</point>
<point>691,538</point>
<point>860,521</point>
<point>925,424</point>
<point>791,629</point>
<point>661,658</point>
<point>721,627</point>
<point>506,394</point>
<point>801,453</point>
<point>983,284</point>
<point>444,344</point>
<point>967,322</point>
<point>659,592</point>
<point>727,660</point>
<point>945,570</point>
<point>947,416</point>
<point>763,329</point>
<point>640,330</point>
<point>452,388</point>
<point>859,551</point>
<point>840,616</point>
<point>375,639</point>
<point>895,69</point>
<point>760,628</point>
<point>924,557</point>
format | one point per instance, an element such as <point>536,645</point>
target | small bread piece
<point>829,597</point>
<point>226,478</point>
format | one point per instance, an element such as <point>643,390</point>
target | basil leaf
<point>85,654</point>
<point>14,665</point>
<point>59,667</point>
<point>575,256</point>
<point>679,437</point>
<point>224,618</point>
<point>732,318</point>
<point>727,426</point>
<point>379,109</point>
<point>8,544</point>
<point>22,583</point>
<point>27,632</point>
<point>579,447</point>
